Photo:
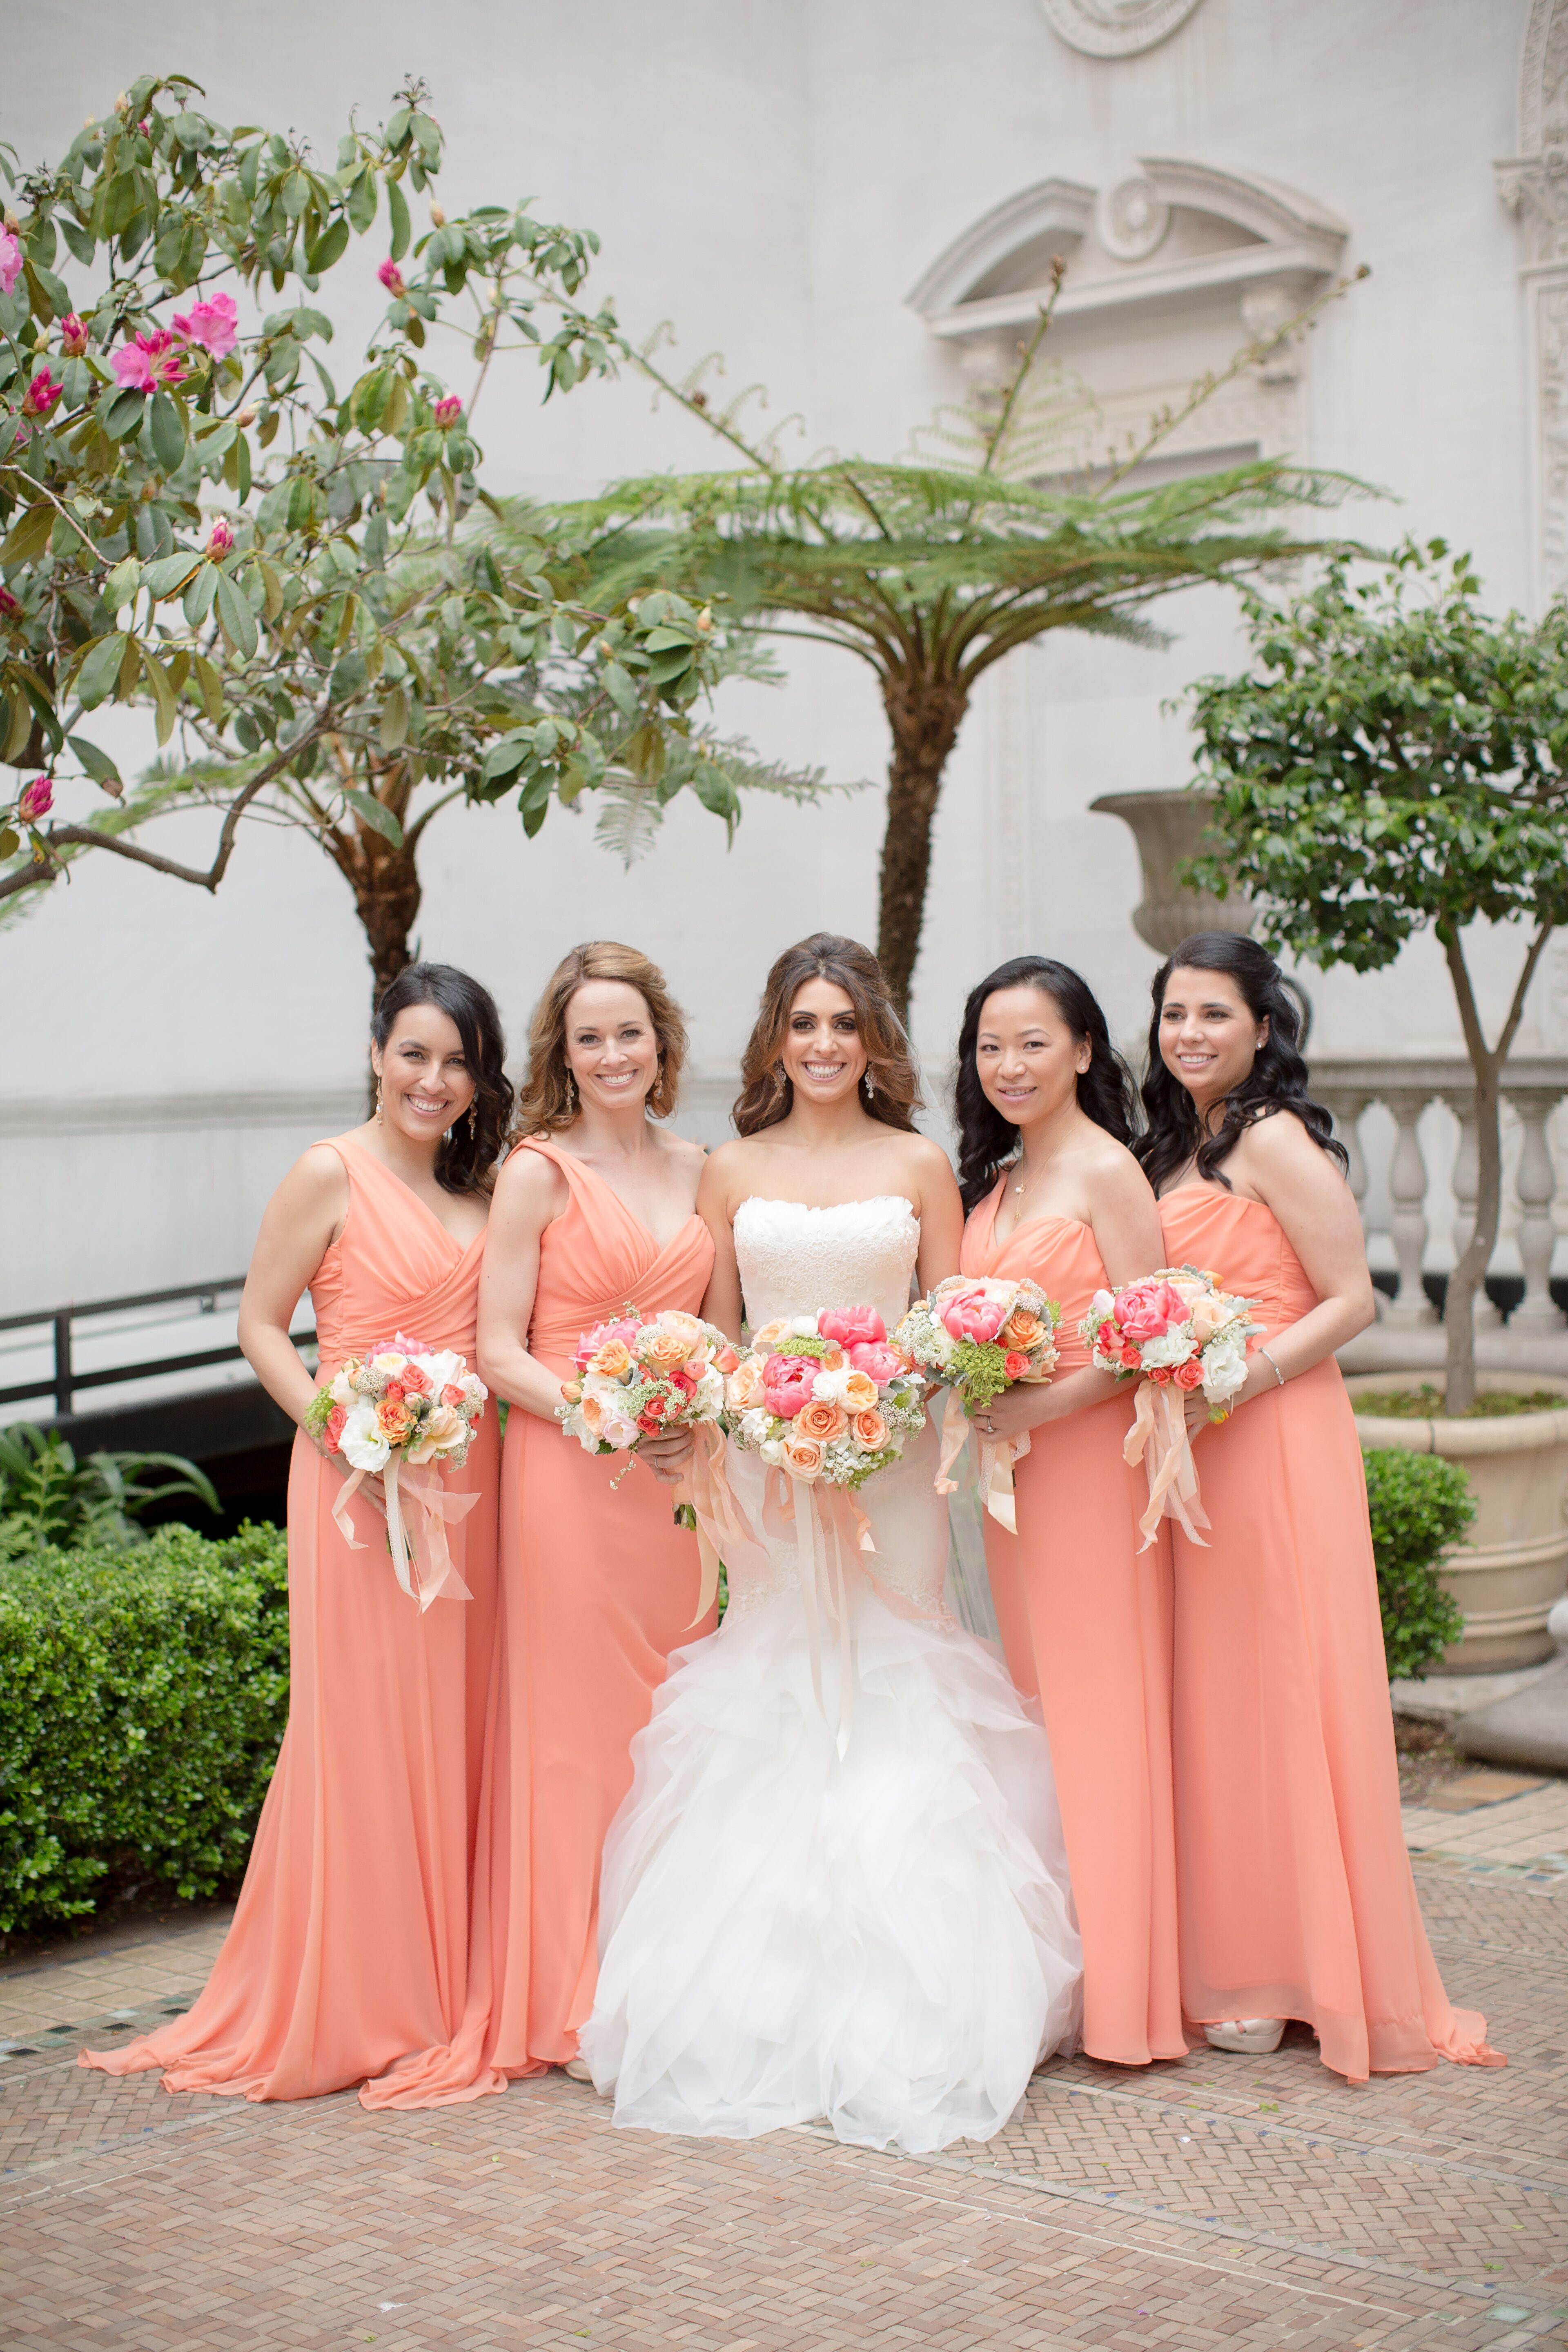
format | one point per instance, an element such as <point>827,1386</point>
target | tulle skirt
<point>884,1937</point>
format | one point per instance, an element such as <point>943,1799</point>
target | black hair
<point>987,1140</point>
<point>1277,1080</point>
<point>466,1161</point>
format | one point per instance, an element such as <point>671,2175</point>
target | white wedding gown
<point>883,1937</point>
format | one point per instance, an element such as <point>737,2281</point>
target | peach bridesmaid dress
<point>598,1586</point>
<point>1295,1890</point>
<point>349,1947</point>
<point>1085,1620</point>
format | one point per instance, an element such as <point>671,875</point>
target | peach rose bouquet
<point>824,1397</point>
<point>406,1411</point>
<point>638,1374</point>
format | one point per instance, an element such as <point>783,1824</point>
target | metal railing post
<point>64,1385</point>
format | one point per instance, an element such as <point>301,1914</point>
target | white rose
<point>1171,1348</point>
<point>829,1387</point>
<point>772,1452</point>
<point>341,1388</point>
<point>1224,1367</point>
<point>755,1425</point>
<point>362,1445</point>
<point>804,1325</point>
<point>708,1400</point>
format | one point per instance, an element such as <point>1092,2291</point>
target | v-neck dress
<point>598,1586</point>
<point>349,1946</point>
<point>1085,1616</point>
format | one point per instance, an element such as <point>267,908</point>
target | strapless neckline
<point>828,1208</point>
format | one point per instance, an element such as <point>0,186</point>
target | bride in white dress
<point>854,1906</point>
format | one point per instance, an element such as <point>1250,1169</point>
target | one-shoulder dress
<point>1294,1886</point>
<point>1084,1613</point>
<point>349,1947</point>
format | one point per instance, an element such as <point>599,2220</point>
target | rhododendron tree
<point>329,619</point>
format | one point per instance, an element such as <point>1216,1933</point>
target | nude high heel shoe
<point>1252,2037</point>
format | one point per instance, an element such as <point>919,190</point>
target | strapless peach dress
<point>1294,1885</point>
<point>598,1586</point>
<point>1085,1620</point>
<point>349,1947</point>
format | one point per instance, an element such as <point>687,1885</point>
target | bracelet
<point>1269,1360</point>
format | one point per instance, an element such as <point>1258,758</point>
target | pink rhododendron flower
<point>214,325</point>
<point>391,278</point>
<point>1146,1310</point>
<point>878,1361</point>
<point>851,1326</point>
<point>970,1315</point>
<point>37,801</point>
<point>73,336</point>
<point>220,538</point>
<point>448,411</point>
<point>152,360</point>
<point>10,261</point>
<point>41,394</point>
<point>9,608</point>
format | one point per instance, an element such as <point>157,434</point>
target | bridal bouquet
<point>1175,1331</point>
<point>639,1374</point>
<point>404,1409</point>
<point>824,1396</point>
<point>977,1335</point>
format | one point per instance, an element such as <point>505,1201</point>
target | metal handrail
<point>65,1381</point>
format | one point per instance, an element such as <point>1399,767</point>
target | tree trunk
<point>1469,1274</point>
<point>924,715</point>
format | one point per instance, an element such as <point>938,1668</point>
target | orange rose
<point>743,1388</point>
<point>824,1421</point>
<point>614,1359</point>
<point>803,1457</point>
<point>869,1430</point>
<point>394,1420</point>
<point>765,1341</point>
<point>834,1359</point>
<point>859,1391</point>
<point>1022,1330</point>
<point>664,1350</point>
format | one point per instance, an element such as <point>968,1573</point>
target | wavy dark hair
<point>1276,1081</point>
<point>766,1095</point>
<point>987,1140</point>
<point>466,1161</point>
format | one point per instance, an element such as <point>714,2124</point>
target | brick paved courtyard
<point>1227,2201</point>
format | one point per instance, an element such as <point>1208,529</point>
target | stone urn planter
<point>1515,1565</point>
<point>1169,827</point>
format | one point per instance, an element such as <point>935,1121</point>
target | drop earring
<point>571,1096</point>
<point>379,1120</point>
<point>473,1121</point>
<point>870,1089</point>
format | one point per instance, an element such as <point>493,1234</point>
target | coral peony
<point>878,1361</point>
<point>971,1315</point>
<point>1146,1310</point>
<point>787,1384</point>
<point>852,1326</point>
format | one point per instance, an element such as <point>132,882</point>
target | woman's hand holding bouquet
<point>401,1410</point>
<point>980,1338</point>
<point>824,1396</point>
<point>645,1376</point>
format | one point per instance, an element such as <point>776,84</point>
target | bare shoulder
<point>1281,1151</point>
<point>729,1173</point>
<point>1108,1163</point>
<point>530,1186</point>
<point>318,1181</point>
<point>926,1162</point>
<point>693,1157</point>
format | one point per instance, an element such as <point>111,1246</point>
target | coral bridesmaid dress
<point>1085,1620</point>
<point>598,1586</point>
<point>1295,1889</point>
<point>349,1946</point>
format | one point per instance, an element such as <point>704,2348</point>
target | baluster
<point>1408,1185</point>
<point>1537,1185</point>
<point>1461,1101</point>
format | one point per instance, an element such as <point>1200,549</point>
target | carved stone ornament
<point>1534,185</point>
<point>1115,28</point>
<point>1131,218</point>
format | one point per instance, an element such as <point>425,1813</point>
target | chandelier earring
<point>571,1096</point>
<point>379,1119</point>
<point>474,1120</point>
<point>871,1088</point>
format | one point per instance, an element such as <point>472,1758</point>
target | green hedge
<point>1420,1504</point>
<point>142,1696</point>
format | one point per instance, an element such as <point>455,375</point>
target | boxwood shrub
<point>1420,1504</point>
<point>143,1697</point>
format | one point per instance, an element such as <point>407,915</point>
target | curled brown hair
<point>766,1095</point>
<point>544,1101</point>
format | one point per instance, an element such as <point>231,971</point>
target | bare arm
<point>304,1217</point>
<point>530,1193</point>
<point>722,1302</point>
<point>940,1212</point>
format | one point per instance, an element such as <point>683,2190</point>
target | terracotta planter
<point>1516,1563</point>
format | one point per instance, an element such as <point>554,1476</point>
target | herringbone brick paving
<point>1225,2202</point>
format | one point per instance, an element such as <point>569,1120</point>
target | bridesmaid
<point>1085,1617</point>
<point>349,1946</point>
<point>1295,1888</point>
<point>596,1206</point>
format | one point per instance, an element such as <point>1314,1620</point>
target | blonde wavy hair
<point>545,1102</point>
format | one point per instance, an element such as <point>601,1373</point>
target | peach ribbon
<point>416,1507</point>
<point>997,1456</point>
<point>704,1491</point>
<point>1158,1438</point>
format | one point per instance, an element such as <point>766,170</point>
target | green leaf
<point>330,246</point>
<point>99,765</point>
<point>235,618</point>
<point>10,842</point>
<point>29,535</point>
<point>295,194</point>
<point>167,431</point>
<point>360,205</point>
<point>210,687</point>
<point>96,677</point>
<point>163,692</point>
<point>371,811</point>
<point>121,414</point>
<point>199,594</point>
<point>620,688</point>
<point>393,729</point>
<point>169,574</point>
<point>397,211</point>
<point>122,583</point>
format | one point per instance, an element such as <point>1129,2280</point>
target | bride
<point>837,1886</point>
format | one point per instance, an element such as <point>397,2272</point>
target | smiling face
<point>821,1053</point>
<point>1027,1058</point>
<point>1208,1037</point>
<point>426,1083</point>
<point>611,1044</point>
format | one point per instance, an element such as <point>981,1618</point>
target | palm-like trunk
<point>924,714</point>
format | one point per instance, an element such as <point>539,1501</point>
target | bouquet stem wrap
<point>1158,1438</point>
<point>417,1508</point>
<point>997,1456</point>
<point>719,1528</point>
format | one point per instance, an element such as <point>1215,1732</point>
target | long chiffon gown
<point>1294,1886</point>
<point>349,1947</point>
<point>1085,1620</point>
<point>598,1585</point>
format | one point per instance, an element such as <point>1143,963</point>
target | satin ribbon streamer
<point>417,1510</point>
<point>1158,1438</point>
<point>997,1456</point>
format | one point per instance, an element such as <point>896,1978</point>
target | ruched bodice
<point>596,1255</point>
<point>1244,1243</point>
<point>1058,1253</point>
<point>797,1261</point>
<point>395,1267</point>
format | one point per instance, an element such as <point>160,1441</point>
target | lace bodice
<point>797,1261</point>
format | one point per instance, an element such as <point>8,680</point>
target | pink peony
<point>10,261</point>
<point>391,278</point>
<point>448,411</point>
<point>152,360</point>
<point>624,1329</point>
<point>41,394</point>
<point>1146,1310</point>
<point>970,1315</point>
<point>787,1384</point>
<point>220,538</point>
<point>37,801</point>
<point>214,325</point>
<point>851,1326</point>
<point>73,336</point>
<point>878,1361</point>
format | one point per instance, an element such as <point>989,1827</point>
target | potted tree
<point>1396,759</point>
